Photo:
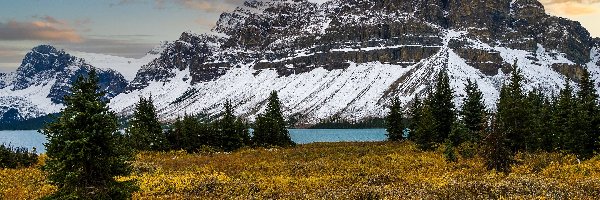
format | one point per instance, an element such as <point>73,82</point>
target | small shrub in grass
<point>14,157</point>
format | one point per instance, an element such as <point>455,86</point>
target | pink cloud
<point>44,28</point>
<point>571,8</point>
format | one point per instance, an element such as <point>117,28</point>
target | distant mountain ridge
<point>345,59</point>
<point>42,80</point>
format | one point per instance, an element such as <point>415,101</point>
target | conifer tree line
<point>86,151</point>
<point>189,133</point>
<point>523,122</point>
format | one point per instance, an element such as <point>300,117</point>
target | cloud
<point>210,5</point>
<point>571,8</point>
<point>44,28</point>
<point>569,1</point>
<point>125,46</point>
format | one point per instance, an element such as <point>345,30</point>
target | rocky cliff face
<point>339,59</point>
<point>346,58</point>
<point>43,79</point>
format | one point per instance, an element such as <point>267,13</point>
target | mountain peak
<point>46,49</point>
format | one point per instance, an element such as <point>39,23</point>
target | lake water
<point>30,139</point>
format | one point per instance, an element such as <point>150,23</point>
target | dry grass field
<point>380,170</point>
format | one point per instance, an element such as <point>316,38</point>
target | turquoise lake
<point>32,139</point>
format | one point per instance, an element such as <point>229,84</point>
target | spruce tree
<point>394,121</point>
<point>565,120</point>
<point>85,150</point>
<point>442,108</point>
<point>425,128</point>
<point>473,111</point>
<point>415,115</point>
<point>270,127</point>
<point>539,130</point>
<point>144,131</point>
<point>233,132</point>
<point>587,116</point>
<point>512,116</point>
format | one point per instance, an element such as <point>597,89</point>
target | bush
<point>16,157</point>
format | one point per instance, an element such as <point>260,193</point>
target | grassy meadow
<point>380,170</point>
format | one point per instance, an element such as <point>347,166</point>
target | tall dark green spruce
<point>588,116</point>
<point>473,112</point>
<point>85,151</point>
<point>415,115</point>
<point>442,108</point>
<point>424,126</point>
<point>233,131</point>
<point>565,118</point>
<point>270,127</point>
<point>144,131</point>
<point>394,121</point>
<point>512,115</point>
<point>540,129</point>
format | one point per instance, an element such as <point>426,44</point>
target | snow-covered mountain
<point>347,58</point>
<point>46,74</point>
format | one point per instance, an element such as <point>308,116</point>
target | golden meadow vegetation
<point>381,170</point>
<point>511,154</point>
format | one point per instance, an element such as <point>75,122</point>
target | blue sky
<point>130,28</point>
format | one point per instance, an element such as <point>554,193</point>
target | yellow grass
<point>339,171</point>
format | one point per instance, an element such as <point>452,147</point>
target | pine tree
<point>85,151</point>
<point>473,111</point>
<point>270,127</point>
<point>145,131</point>
<point>415,115</point>
<point>425,128</point>
<point>565,120</point>
<point>587,116</point>
<point>442,108</point>
<point>233,132</point>
<point>512,116</point>
<point>394,121</point>
<point>189,134</point>
<point>539,130</point>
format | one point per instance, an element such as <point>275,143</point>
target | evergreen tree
<point>192,135</point>
<point>270,127</point>
<point>85,151</point>
<point>425,128</point>
<point>473,111</point>
<point>539,131</point>
<point>233,132</point>
<point>512,113</point>
<point>442,108</point>
<point>587,116</point>
<point>565,120</point>
<point>415,113</point>
<point>145,131</point>
<point>394,121</point>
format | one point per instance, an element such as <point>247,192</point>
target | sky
<point>130,28</point>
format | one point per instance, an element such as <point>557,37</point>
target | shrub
<point>16,157</point>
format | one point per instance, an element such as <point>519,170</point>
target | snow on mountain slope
<point>347,58</point>
<point>351,93</point>
<point>29,103</point>
<point>45,76</point>
<point>354,93</point>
